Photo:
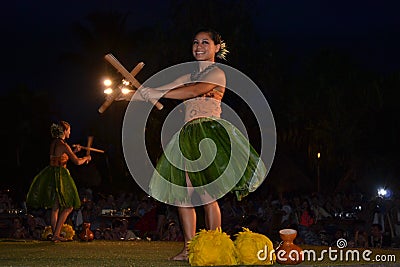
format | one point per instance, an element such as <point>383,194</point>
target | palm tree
<point>25,146</point>
<point>328,109</point>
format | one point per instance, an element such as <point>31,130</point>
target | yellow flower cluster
<point>66,231</point>
<point>47,232</point>
<point>210,248</point>
<point>214,247</point>
<point>254,248</point>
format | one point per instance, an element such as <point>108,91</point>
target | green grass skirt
<point>50,184</point>
<point>217,158</point>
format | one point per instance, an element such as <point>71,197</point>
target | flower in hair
<point>56,130</point>
<point>223,51</point>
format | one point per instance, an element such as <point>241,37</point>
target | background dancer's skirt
<point>53,183</point>
<point>228,163</point>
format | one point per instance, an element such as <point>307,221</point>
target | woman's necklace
<point>197,74</point>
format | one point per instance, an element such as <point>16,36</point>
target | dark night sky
<point>370,29</point>
<point>36,32</point>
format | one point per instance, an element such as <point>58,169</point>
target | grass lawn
<point>137,253</point>
<point>95,253</point>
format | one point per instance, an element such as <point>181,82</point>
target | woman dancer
<point>54,187</point>
<point>202,92</point>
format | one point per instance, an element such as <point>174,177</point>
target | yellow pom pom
<point>254,248</point>
<point>47,232</point>
<point>211,248</point>
<point>67,232</point>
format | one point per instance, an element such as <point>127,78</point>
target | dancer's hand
<point>132,95</point>
<point>123,97</point>
<point>151,93</point>
<point>88,158</point>
<point>77,148</point>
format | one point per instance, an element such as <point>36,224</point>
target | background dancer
<point>54,187</point>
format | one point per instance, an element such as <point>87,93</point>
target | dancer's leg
<point>61,220</point>
<point>187,216</point>
<point>212,215</point>
<point>54,216</point>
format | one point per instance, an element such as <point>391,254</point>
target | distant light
<point>318,155</point>
<point>108,91</point>
<point>107,82</point>
<point>125,82</point>
<point>382,192</point>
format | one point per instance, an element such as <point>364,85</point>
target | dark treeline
<point>325,100</point>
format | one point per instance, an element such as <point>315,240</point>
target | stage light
<point>108,91</point>
<point>125,82</point>
<point>107,82</point>
<point>125,90</point>
<point>384,192</point>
